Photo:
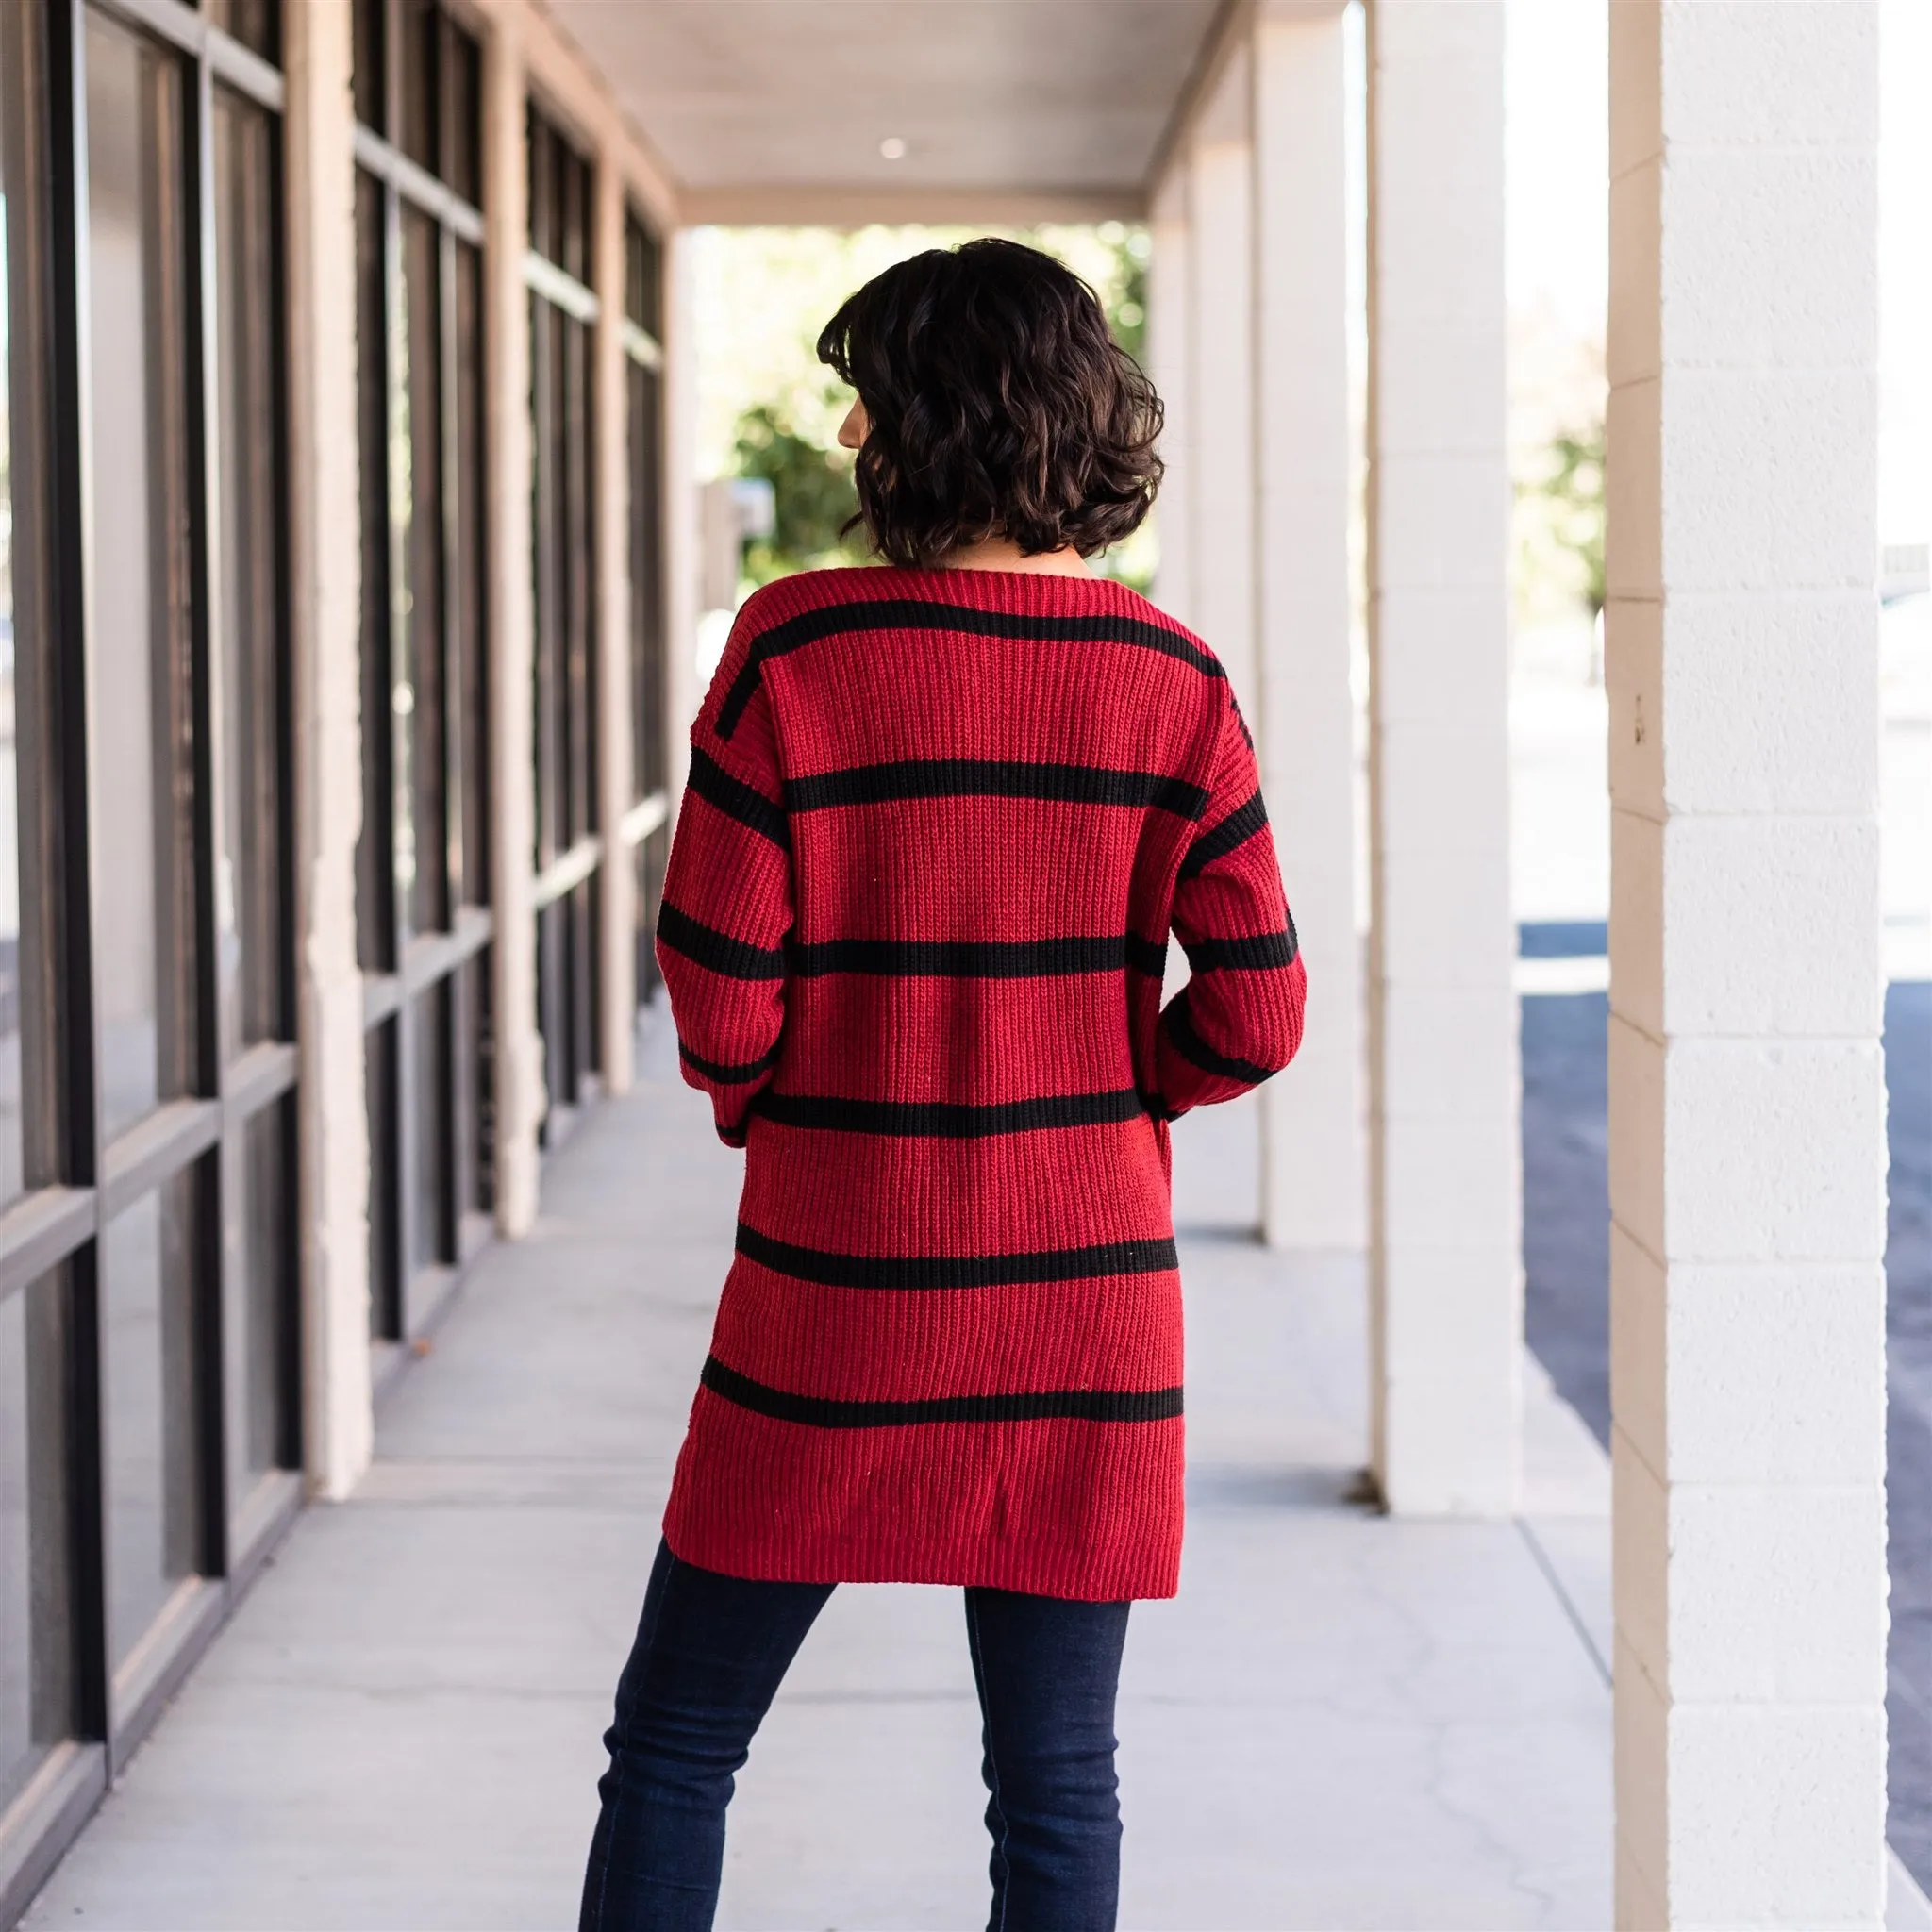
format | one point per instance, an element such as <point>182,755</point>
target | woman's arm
<point>728,905</point>
<point>1238,1018</point>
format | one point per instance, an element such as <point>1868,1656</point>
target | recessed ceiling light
<point>893,148</point>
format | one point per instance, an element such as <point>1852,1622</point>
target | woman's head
<point>996,404</point>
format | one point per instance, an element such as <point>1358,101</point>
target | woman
<point>941,818</point>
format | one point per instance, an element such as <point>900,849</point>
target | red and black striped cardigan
<point>938,826</point>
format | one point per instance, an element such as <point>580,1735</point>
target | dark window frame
<point>78,1181</point>
<point>431,1168</point>
<point>646,824</point>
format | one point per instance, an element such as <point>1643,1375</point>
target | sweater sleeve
<point>1238,1018</point>
<point>728,901</point>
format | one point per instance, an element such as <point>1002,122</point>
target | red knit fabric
<point>938,826</point>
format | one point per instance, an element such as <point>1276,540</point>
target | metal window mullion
<point>191,33</point>
<point>417,184</point>
<point>558,288</point>
<point>641,346</point>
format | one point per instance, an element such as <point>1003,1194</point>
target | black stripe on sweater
<point>994,778</point>
<point>717,952</point>
<point>1237,829</point>
<point>915,613</point>
<point>832,1270</point>
<point>1258,953</point>
<point>727,1073</point>
<point>955,1121</point>
<point>977,959</point>
<point>738,800</point>
<point>1188,1042</point>
<point>825,1412</point>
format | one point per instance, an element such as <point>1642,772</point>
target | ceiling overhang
<point>848,111</point>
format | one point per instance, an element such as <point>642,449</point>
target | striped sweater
<point>938,826</point>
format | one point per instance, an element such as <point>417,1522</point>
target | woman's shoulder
<point>1020,596</point>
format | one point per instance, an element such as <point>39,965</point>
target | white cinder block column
<point>1446,1299</point>
<point>1300,707</point>
<point>325,564</point>
<point>1747,1105</point>
<point>617,882</point>
<point>1170,366</point>
<point>1219,388</point>
<point>518,1070</point>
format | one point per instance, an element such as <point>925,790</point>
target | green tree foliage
<point>811,487</point>
<point>1572,497</point>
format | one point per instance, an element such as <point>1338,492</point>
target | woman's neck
<point>1001,553</point>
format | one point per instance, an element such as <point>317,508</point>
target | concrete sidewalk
<point>1343,1720</point>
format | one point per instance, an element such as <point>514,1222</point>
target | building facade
<point>334,780</point>
<point>351,549</point>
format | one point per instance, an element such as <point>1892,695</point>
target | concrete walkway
<point>1344,1721</point>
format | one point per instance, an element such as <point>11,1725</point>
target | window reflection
<point>147,1317</point>
<point>249,883</point>
<point>36,1569</point>
<point>258,1311</point>
<point>139,584</point>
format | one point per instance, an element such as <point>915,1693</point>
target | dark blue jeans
<point>710,1655</point>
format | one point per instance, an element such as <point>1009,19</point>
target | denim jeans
<point>709,1656</point>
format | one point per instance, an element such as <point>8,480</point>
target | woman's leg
<point>1047,1670</point>
<point>709,1656</point>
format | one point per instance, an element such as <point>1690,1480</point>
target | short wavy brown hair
<point>1000,406</point>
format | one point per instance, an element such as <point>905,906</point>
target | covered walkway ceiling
<point>778,110</point>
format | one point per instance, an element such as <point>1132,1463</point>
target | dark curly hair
<point>1000,405</point>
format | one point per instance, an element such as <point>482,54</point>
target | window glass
<point>36,1547</point>
<point>474,1120</point>
<point>470,576</point>
<point>370,67</point>
<point>259,1306</point>
<point>416,480</point>
<point>646,584</point>
<point>462,118</point>
<point>422,72</point>
<point>651,855</point>
<point>642,272</point>
<point>155,1529</point>
<point>431,1237</point>
<point>253,22</point>
<point>28,1121</point>
<point>576,643</point>
<point>251,900</point>
<point>140,581</point>
<point>374,910</point>
<point>379,1089</point>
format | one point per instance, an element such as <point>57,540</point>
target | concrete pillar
<point>519,1069</point>
<point>1445,1163</point>
<point>1299,705</point>
<point>1220,390</point>
<point>1747,1103</point>
<point>324,600</point>
<point>1170,364</point>
<point>617,880</point>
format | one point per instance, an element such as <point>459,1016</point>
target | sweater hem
<point>1136,1577</point>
